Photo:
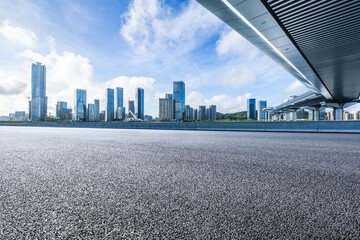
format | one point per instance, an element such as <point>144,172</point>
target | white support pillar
<point>316,114</point>
<point>288,116</point>
<point>339,114</point>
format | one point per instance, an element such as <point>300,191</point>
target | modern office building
<point>195,117</point>
<point>139,103</point>
<point>189,112</point>
<point>38,92</point>
<point>29,117</point>
<point>202,113</point>
<point>80,105</point>
<point>166,107</point>
<point>19,116</point>
<point>261,114</point>
<point>251,109</point>
<point>91,112</point>
<point>121,114</point>
<point>110,108</point>
<point>60,109</point>
<point>119,100</point>
<point>212,109</point>
<point>131,108</point>
<point>179,99</point>
<point>148,118</point>
<point>97,109</point>
<point>102,116</point>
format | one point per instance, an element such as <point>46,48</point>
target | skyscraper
<point>202,113</point>
<point>38,92</point>
<point>139,103</point>
<point>97,109</point>
<point>80,105</point>
<point>60,109</point>
<point>261,113</point>
<point>212,112</point>
<point>131,107</point>
<point>166,106</point>
<point>251,109</point>
<point>91,112</point>
<point>119,100</point>
<point>179,99</point>
<point>110,112</point>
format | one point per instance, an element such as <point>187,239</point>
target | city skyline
<point>217,64</point>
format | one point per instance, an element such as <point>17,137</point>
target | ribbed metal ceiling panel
<point>327,32</point>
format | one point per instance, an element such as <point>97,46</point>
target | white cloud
<point>296,88</point>
<point>232,43</point>
<point>224,103</point>
<point>238,76</point>
<point>18,35</point>
<point>149,25</point>
<point>12,86</point>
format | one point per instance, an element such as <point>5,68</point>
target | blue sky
<point>132,43</point>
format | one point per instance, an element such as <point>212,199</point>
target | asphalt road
<point>62,183</point>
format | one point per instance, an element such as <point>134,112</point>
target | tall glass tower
<point>179,99</point>
<point>110,105</point>
<point>139,103</point>
<point>251,109</point>
<point>261,113</point>
<point>80,105</point>
<point>38,92</point>
<point>119,99</point>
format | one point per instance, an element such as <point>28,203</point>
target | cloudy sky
<point>93,45</point>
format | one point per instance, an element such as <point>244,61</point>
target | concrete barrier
<point>300,126</point>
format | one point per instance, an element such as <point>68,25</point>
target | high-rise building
<point>29,110</point>
<point>97,109</point>
<point>60,109</point>
<point>251,109</point>
<point>166,106</point>
<point>80,105</point>
<point>179,99</point>
<point>195,117</point>
<point>189,112</point>
<point>19,116</point>
<point>110,108</point>
<point>102,116</point>
<point>91,112</point>
<point>202,113</point>
<point>212,112</point>
<point>38,92</point>
<point>131,108</point>
<point>261,114</point>
<point>121,115</point>
<point>119,99</point>
<point>139,103</point>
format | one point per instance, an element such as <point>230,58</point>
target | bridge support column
<point>316,114</point>
<point>288,116</point>
<point>338,114</point>
<point>294,115</point>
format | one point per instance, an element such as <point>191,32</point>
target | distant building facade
<point>179,99</point>
<point>91,112</point>
<point>202,113</point>
<point>251,109</point>
<point>139,103</point>
<point>262,115</point>
<point>80,105</point>
<point>38,92</point>
<point>97,109</point>
<point>131,108</point>
<point>166,107</point>
<point>110,108</point>
<point>19,116</point>
<point>212,109</point>
<point>119,101</point>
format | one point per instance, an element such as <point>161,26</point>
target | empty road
<point>65,183</point>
